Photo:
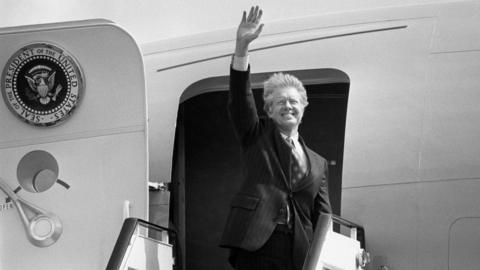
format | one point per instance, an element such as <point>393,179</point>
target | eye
<point>281,102</point>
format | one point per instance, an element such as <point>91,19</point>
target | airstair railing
<point>333,250</point>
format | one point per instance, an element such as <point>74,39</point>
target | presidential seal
<point>42,84</point>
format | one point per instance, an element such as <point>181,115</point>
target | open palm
<point>250,27</point>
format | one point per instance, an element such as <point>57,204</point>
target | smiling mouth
<point>288,116</point>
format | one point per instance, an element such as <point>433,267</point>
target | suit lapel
<point>308,154</point>
<point>307,179</point>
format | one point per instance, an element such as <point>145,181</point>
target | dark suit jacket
<point>267,186</point>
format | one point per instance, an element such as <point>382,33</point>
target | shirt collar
<point>294,137</point>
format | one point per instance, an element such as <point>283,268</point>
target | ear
<point>269,111</point>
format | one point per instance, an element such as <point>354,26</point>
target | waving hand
<point>248,30</point>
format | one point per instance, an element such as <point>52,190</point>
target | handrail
<point>357,231</point>
<point>324,222</point>
<point>131,227</point>
<point>324,225</point>
<point>345,222</point>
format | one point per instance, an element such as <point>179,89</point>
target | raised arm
<point>243,112</point>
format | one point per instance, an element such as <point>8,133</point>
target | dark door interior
<point>207,166</point>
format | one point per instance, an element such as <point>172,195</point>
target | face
<point>286,109</point>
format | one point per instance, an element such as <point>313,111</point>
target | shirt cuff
<point>240,63</point>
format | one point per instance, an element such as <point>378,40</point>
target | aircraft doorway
<point>207,164</point>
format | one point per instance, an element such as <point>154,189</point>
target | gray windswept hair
<point>278,81</point>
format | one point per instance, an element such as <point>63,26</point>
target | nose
<point>288,104</point>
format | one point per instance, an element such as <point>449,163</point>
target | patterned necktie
<point>298,164</point>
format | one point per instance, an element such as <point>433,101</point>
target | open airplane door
<point>73,143</point>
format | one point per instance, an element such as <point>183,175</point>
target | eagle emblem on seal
<point>41,82</point>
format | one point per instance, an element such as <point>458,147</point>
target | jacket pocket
<point>245,201</point>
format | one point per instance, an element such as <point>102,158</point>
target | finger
<point>259,30</point>
<point>255,13</point>
<point>250,14</point>
<point>260,13</point>
<point>244,17</point>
